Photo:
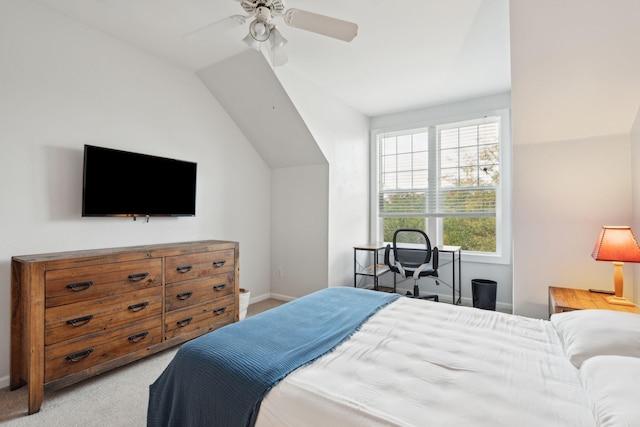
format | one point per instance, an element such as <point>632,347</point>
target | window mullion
<point>433,227</point>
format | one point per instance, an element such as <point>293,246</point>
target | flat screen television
<point>121,183</point>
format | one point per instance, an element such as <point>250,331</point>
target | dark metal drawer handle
<point>184,268</point>
<point>184,322</point>
<point>81,355</point>
<point>219,263</point>
<point>80,321</point>
<point>220,287</point>
<point>139,306</point>
<point>219,311</point>
<point>80,286</point>
<point>184,295</point>
<point>138,337</point>
<point>137,277</point>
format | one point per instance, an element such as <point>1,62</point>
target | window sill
<point>485,258</point>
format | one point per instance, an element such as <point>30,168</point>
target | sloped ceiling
<point>252,95</point>
<point>408,54</point>
<point>576,68</point>
<point>574,63</point>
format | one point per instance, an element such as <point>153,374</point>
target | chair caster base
<point>429,297</point>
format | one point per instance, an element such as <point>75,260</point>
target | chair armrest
<point>435,259</point>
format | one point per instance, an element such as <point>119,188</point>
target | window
<point>446,179</point>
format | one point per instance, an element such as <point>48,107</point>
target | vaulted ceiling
<point>575,68</point>
<point>572,66</point>
<point>407,54</point>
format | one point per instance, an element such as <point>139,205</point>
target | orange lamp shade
<point>616,244</point>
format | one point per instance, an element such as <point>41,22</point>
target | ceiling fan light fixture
<point>251,42</point>
<point>259,30</point>
<point>276,39</point>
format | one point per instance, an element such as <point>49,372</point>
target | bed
<point>354,357</point>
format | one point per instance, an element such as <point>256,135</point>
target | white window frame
<point>503,195</point>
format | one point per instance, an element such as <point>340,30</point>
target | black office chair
<point>412,255</point>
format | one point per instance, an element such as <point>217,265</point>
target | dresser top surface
<point>145,251</point>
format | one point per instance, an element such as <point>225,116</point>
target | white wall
<point>300,184</point>
<point>299,238</point>
<point>245,85</point>
<point>563,193</point>
<point>575,95</point>
<point>342,135</point>
<point>635,198</point>
<point>63,85</point>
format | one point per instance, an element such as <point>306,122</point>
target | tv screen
<point>120,183</point>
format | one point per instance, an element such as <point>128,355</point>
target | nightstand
<point>568,299</point>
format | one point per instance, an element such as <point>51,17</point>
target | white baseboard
<point>502,307</point>
<point>281,297</point>
<point>267,296</point>
<point>4,381</point>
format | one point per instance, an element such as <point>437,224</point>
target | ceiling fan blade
<point>215,28</point>
<point>325,25</point>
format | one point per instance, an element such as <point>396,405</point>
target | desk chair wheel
<point>430,297</point>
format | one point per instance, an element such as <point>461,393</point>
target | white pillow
<point>588,333</point>
<point>613,384</point>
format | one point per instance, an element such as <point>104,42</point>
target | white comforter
<point>419,363</point>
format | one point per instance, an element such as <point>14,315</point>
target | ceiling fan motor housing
<point>250,6</point>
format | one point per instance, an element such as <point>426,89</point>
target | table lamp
<point>619,245</point>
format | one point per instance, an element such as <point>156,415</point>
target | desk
<point>375,269</point>
<point>568,299</point>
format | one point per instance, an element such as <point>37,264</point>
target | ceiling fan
<point>263,29</point>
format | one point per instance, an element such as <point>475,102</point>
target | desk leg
<point>355,268</point>
<point>453,270</point>
<point>375,270</point>
<point>459,277</point>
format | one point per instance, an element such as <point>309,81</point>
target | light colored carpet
<point>116,398</point>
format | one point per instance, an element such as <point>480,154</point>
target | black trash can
<point>484,293</point>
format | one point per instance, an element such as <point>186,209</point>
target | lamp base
<point>620,301</point>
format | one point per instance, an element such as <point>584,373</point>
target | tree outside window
<point>443,178</point>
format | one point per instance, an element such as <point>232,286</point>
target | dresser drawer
<point>73,320</point>
<point>193,266</point>
<point>82,283</point>
<point>191,292</point>
<point>75,355</point>
<point>209,315</point>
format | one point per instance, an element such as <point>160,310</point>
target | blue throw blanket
<point>221,378</point>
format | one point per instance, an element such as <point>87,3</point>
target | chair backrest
<point>411,247</point>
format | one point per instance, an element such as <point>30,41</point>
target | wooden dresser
<point>78,314</point>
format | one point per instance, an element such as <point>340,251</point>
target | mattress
<point>420,363</point>
<point>221,377</point>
